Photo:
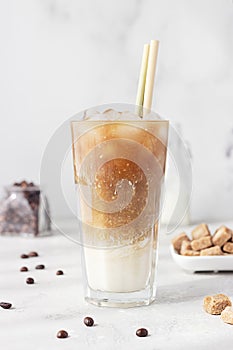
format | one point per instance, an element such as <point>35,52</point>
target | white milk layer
<point>124,269</point>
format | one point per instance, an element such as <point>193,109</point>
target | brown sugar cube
<point>177,241</point>
<point>186,249</point>
<point>201,230</point>
<point>185,245</point>
<point>221,236</point>
<point>228,247</point>
<point>190,252</point>
<point>215,304</point>
<point>227,315</point>
<point>216,250</point>
<point>201,243</point>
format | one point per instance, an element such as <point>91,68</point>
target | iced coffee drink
<point>119,163</point>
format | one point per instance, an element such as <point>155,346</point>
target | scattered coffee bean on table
<point>62,334</point>
<point>142,332</point>
<point>40,267</point>
<point>24,269</point>
<point>30,280</point>
<point>33,254</point>
<point>5,305</point>
<point>88,321</point>
<point>59,272</point>
<point>24,256</point>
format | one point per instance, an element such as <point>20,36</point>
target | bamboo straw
<point>142,76</point>
<point>150,75</point>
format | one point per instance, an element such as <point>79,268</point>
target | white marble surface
<point>175,321</point>
<point>59,57</point>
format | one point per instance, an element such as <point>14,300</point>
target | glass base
<point>121,300</point>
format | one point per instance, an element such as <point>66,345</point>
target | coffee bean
<point>24,269</point>
<point>88,321</point>
<point>142,332</point>
<point>62,334</point>
<point>30,280</point>
<point>5,305</point>
<point>40,267</point>
<point>24,256</point>
<point>59,272</point>
<point>33,254</point>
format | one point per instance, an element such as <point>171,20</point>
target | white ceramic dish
<point>203,263</point>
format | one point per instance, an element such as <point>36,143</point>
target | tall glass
<point>119,164</point>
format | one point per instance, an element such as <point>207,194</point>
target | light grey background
<point>61,56</point>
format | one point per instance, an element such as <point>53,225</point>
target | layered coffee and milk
<point>119,164</point>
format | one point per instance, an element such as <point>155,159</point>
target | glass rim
<point>120,121</point>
